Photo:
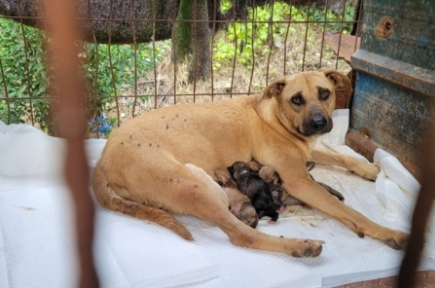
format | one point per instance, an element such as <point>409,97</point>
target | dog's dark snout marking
<point>318,122</point>
<point>167,126</point>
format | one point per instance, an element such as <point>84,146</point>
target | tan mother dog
<point>141,171</point>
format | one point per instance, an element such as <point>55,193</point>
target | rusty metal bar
<point>70,89</point>
<point>306,36</point>
<point>154,55</point>
<point>254,13</point>
<point>144,95</point>
<point>271,41</point>
<point>29,85</point>
<point>95,90</point>
<point>341,33</point>
<point>286,38</point>
<point>6,90</point>
<point>111,64</point>
<point>195,44</point>
<point>178,20</point>
<point>323,36</point>
<point>174,61</point>
<point>133,15</point>
<point>235,51</point>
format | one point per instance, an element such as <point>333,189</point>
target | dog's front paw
<point>366,171</point>
<point>307,248</point>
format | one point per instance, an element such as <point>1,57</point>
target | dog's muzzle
<point>317,123</point>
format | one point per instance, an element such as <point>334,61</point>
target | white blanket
<point>37,235</point>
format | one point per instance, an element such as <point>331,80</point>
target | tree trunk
<point>104,22</point>
<point>182,35</point>
<point>191,41</point>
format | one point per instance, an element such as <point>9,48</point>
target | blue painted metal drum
<point>396,75</point>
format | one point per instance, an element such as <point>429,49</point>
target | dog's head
<point>306,100</point>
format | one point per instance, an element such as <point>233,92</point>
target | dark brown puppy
<point>250,184</point>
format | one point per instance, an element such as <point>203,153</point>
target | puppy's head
<point>238,169</point>
<point>306,100</point>
<point>226,181</point>
<point>269,175</point>
<point>248,215</point>
<point>254,166</point>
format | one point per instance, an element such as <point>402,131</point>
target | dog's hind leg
<point>108,198</point>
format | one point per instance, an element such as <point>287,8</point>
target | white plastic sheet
<point>37,237</point>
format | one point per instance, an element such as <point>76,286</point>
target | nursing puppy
<point>250,184</point>
<point>240,205</point>
<point>141,171</point>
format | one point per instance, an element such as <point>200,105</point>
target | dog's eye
<point>324,94</point>
<point>297,99</point>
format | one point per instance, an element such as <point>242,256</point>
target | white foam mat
<point>37,232</point>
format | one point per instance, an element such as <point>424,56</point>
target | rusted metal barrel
<point>396,76</point>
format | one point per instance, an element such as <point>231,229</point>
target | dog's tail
<point>110,200</point>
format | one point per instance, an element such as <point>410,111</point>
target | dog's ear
<point>274,89</point>
<point>338,79</point>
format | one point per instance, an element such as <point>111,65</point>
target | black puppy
<point>250,184</point>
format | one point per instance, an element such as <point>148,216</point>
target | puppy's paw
<point>308,248</point>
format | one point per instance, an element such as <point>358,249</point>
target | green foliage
<point>316,14</point>
<point>256,38</point>
<point>252,36</point>
<point>106,74</point>
<point>25,73</point>
<point>112,74</point>
<point>226,5</point>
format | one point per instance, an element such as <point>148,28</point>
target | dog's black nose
<point>318,122</point>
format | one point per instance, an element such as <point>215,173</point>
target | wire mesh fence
<point>137,56</point>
